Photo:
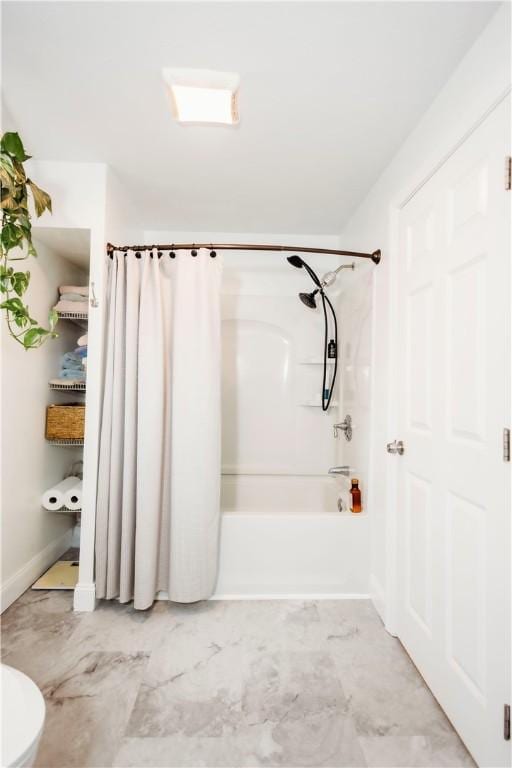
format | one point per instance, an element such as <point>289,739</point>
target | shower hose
<point>326,401</point>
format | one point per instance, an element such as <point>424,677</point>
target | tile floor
<point>257,683</point>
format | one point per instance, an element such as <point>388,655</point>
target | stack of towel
<point>73,365</point>
<point>73,298</point>
<point>81,350</point>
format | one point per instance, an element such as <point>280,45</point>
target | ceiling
<point>328,93</point>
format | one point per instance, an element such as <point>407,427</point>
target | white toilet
<point>23,711</point>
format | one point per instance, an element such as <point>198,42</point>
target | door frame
<point>417,179</point>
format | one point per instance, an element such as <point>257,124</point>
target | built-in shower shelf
<point>68,387</point>
<point>316,362</point>
<point>66,442</point>
<point>316,404</point>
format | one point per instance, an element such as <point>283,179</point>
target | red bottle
<point>355,492</point>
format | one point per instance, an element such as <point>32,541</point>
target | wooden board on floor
<point>62,575</point>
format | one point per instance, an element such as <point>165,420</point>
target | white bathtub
<point>283,536</point>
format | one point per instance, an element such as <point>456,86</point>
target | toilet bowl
<point>23,711</point>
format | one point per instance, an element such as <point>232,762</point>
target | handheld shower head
<point>309,299</point>
<point>295,261</point>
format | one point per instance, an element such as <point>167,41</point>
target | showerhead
<point>330,277</point>
<point>309,299</point>
<point>295,261</point>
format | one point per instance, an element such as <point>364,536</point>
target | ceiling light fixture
<point>203,95</point>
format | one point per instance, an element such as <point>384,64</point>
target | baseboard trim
<point>294,596</point>
<point>84,599</point>
<point>282,596</point>
<point>20,581</point>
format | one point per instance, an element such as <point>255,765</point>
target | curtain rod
<point>375,256</point>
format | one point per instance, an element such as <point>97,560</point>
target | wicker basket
<point>65,422</point>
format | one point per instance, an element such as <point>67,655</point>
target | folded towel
<point>72,306</point>
<point>64,381</point>
<point>72,297</point>
<point>81,352</point>
<point>69,373</point>
<point>82,341</point>
<point>83,290</point>
<point>71,361</point>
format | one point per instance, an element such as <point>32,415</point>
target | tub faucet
<point>345,426</point>
<point>345,471</point>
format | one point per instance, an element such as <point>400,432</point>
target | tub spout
<point>345,471</point>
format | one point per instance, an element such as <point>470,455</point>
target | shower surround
<point>282,533</point>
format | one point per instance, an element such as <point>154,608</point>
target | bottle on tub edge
<point>355,493</point>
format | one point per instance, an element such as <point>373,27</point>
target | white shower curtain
<point>157,519</point>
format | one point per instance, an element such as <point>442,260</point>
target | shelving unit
<point>68,388</point>
<point>80,318</point>
<point>66,442</point>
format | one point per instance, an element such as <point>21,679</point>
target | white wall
<point>31,537</point>
<point>481,79</point>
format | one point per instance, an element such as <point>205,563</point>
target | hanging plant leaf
<point>13,145</point>
<point>42,200</point>
<point>53,319</point>
<point>11,236</point>
<point>19,282</point>
<point>17,233</point>
<point>9,202</point>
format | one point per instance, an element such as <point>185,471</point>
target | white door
<point>453,490</point>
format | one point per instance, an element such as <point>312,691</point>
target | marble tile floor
<point>242,683</point>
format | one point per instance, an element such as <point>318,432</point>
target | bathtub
<point>282,536</point>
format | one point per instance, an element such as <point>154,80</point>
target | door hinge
<point>508,173</point>
<point>506,722</point>
<point>506,444</point>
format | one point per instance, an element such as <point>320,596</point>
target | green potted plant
<point>17,234</point>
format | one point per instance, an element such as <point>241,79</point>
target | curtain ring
<point>172,255</point>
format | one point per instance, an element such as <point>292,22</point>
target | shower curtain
<point>158,503</point>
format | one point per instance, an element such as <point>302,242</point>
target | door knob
<point>396,446</point>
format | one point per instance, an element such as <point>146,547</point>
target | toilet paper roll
<point>73,496</point>
<point>53,498</point>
